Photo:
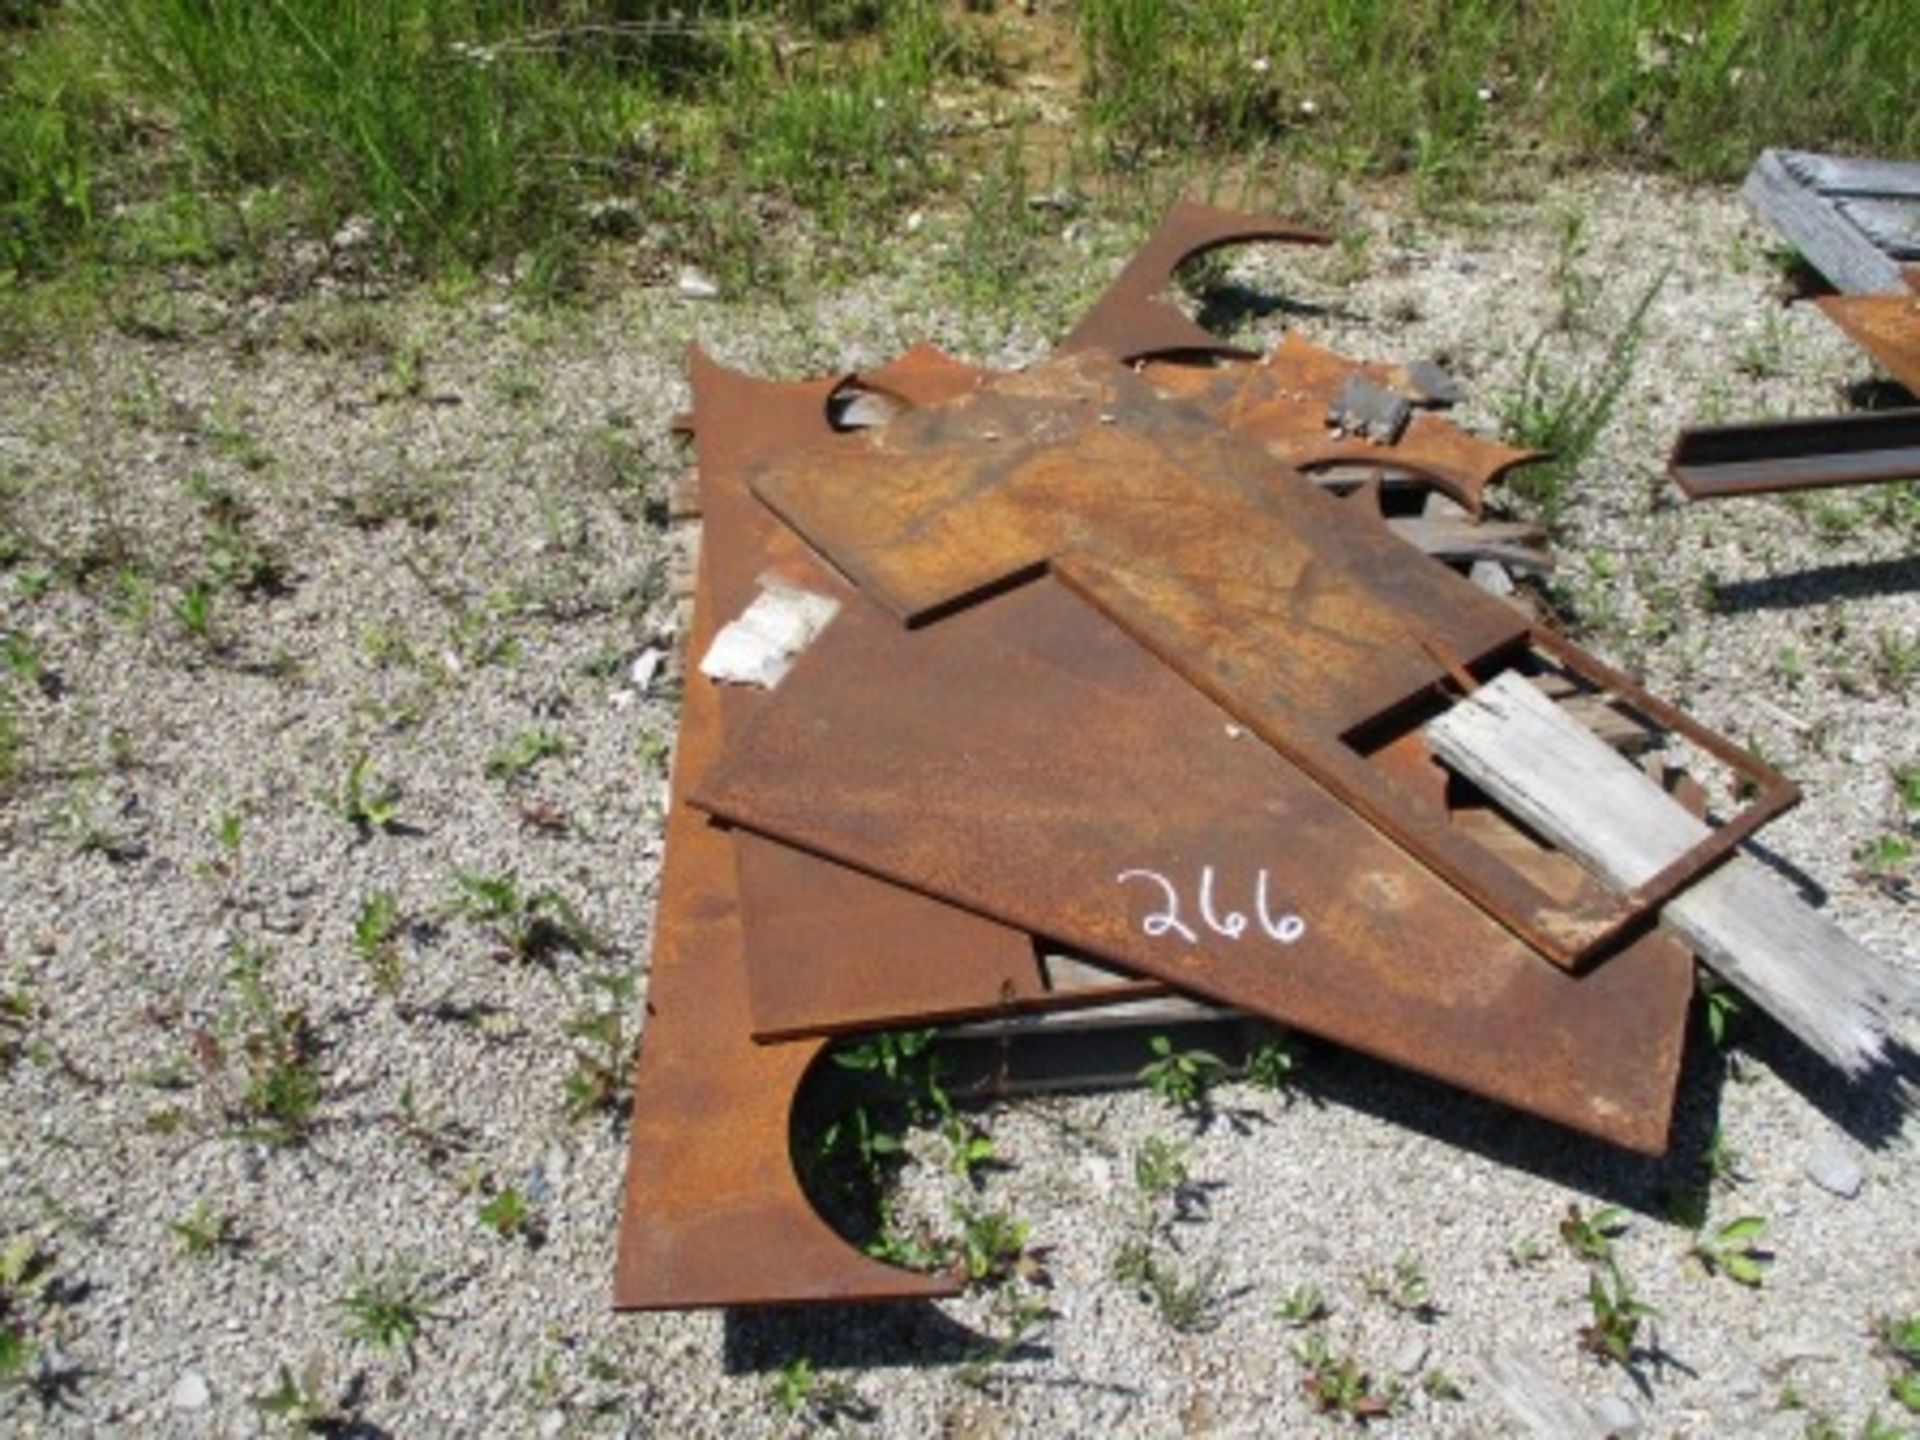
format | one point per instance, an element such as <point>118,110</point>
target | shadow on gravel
<point>1229,308</point>
<point>1873,1109</point>
<point>1819,585</point>
<point>842,1337</point>
<point>1539,1147</point>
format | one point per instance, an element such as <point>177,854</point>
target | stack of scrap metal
<point>1857,222</point>
<point>1139,654</point>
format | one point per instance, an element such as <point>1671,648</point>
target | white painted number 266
<point>1283,929</point>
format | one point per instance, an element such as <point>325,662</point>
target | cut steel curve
<point>1133,317</point>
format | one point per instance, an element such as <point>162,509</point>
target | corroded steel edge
<point>713,1213</point>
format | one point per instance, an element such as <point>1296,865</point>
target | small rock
<point>1617,1417</point>
<point>552,1423</point>
<point>1491,576</point>
<point>1408,1359</point>
<point>1834,1169</point>
<point>193,1392</point>
<point>646,665</point>
<point>697,286</point>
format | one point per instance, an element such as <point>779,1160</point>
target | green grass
<point>471,133</point>
<point>465,137</point>
<point>1435,87</point>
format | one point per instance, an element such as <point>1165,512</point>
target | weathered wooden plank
<point>1541,1404</point>
<point>1742,921</point>
<point>1893,225</point>
<point>1835,247</point>
<point>1513,543</point>
<point>1853,175</point>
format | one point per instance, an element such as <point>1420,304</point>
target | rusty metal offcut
<point>1110,668</point>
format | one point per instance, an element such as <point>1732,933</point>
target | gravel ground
<point>259,554</point>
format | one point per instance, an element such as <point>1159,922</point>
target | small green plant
<point>530,926</point>
<point>1018,1314</point>
<point>363,800</point>
<point>376,939</point>
<point>1617,1315</point>
<point>1527,1252</point>
<point>799,1392</point>
<point>1187,1300</point>
<point>1565,415</point>
<point>656,749</point>
<point>1160,1168</point>
<point>968,1146</point>
<point>279,1053</point>
<point>792,1388</point>
<point>993,1245</point>
<point>908,1064</point>
<point>1900,1339</point>
<point>1302,1306</point>
<point>1406,1288</point>
<point>1720,1008</point>
<point>516,759</point>
<point>1734,1251</point>
<point>28,1284</point>
<point>1338,1384</point>
<point>88,819</point>
<point>602,1076</point>
<point>1896,660</point>
<point>1272,1061</point>
<point>204,1232</point>
<point>1591,1237</point>
<point>1886,858</point>
<point>229,828</point>
<point>1726,1164</point>
<point>1183,1078</point>
<point>301,1403</point>
<point>389,1309</point>
<point>19,1010</point>
<point>510,1215</point>
<point>1906,786</point>
<point>193,609</point>
<point>1441,1386</point>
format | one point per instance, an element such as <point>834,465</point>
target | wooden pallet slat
<point>1742,921</point>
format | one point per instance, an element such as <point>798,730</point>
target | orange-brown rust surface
<point>1887,327</point>
<point>1025,758</point>
<point>1282,402</point>
<point>1299,614</point>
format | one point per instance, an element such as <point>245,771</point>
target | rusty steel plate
<point>1134,316</point>
<point>1282,402</point>
<point>1027,759</point>
<point>1887,327</point>
<point>713,1213</point>
<point>1301,615</point>
<point>828,949</point>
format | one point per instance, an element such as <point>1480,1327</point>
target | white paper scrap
<point>759,647</point>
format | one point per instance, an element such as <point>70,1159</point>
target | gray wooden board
<point>1741,920</point>
<point>1808,216</point>
<point>1545,1407</point>
<point>1893,225</point>
<point>1853,175</point>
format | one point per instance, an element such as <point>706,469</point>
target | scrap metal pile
<point>1152,654</point>
<point>1857,222</point>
